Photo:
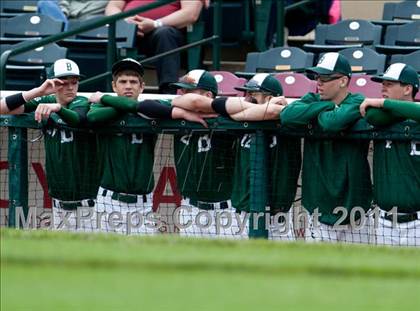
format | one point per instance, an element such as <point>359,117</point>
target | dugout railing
<point>17,149</point>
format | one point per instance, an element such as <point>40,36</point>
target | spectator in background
<point>160,30</point>
<point>63,10</point>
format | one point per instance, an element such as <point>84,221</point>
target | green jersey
<point>396,164</point>
<point>72,172</point>
<point>284,161</point>
<point>335,171</point>
<point>203,165</point>
<point>127,158</point>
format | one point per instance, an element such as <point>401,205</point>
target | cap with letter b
<point>399,72</point>
<point>331,63</point>
<point>64,68</point>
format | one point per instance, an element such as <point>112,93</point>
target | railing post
<point>111,52</point>
<point>258,186</point>
<point>217,27</point>
<point>18,172</point>
<point>280,23</point>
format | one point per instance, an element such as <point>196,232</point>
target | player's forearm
<point>13,104</point>
<point>380,117</point>
<point>72,118</point>
<point>259,113</point>
<point>121,103</point>
<point>406,109</point>
<point>339,118</point>
<point>102,115</point>
<point>299,113</point>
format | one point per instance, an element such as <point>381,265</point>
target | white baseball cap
<point>64,68</point>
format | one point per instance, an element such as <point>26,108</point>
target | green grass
<point>60,271</point>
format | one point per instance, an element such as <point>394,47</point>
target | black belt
<point>70,206</point>
<point>401,218</point>
<point>209,206</point>
<point>124,197</point>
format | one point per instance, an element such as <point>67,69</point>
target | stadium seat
<point>12,8</point>
<point>27,70</point>
<point>401,39</point>
<point>364,60</point>
<point>226,82</point>
<point>412,59</point>
<point>332,38</point>
<point>405,10</point>
<point>295,84</point>
<point>276,60</point>
<point>360,83</point>
<point>25,26</point>
<point>89,48</point>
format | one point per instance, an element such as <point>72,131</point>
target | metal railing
<point>111,46</point>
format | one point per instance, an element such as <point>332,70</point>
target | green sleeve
<point>31,105</point>
<point>381,117</point>
<point>403,109</point>
<point>121,103</point>
<point>98,113</point>
<point>71,117</point>
<point>339,118</point>
<point>342,116</point>
<point>302,111</point>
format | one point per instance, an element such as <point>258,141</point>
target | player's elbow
<point>273,112</point>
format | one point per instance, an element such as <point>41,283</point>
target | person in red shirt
<point>160,30</point>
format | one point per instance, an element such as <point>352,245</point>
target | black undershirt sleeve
<point>154,109</point>
<point>219,106</point>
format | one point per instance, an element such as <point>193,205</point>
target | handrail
<point>152,58</point>
<point>88,26</point>
<point>281,12</point>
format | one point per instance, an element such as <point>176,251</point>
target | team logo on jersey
<point>204,143</point>
<point>415,148</point>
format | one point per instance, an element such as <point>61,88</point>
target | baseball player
<point>127,181</point>
<point>396,164</point>
<point>202,163</point>
<point>72,179</point>
<point>335,172</point>
<point>284,161</point>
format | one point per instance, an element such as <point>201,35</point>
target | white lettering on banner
<point>204,143</point>
<point>388,144</point>
<point>246,141</point>
<point>136,138</point>
<point>415,148</point>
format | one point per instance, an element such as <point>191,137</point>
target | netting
<point>228,182</point>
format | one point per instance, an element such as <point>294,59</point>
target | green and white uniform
<point>70,160</point>
<point>127,181</point>
<point>396,176</point>
<point>284,161</point>
<point>204,164</point>
<point>335,172</point>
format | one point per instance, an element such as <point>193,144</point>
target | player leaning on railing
<point>396,164</point>
<point>127,182</point>
<point>335,172</point>
<point>72,180</point>
<point>284,161</point>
